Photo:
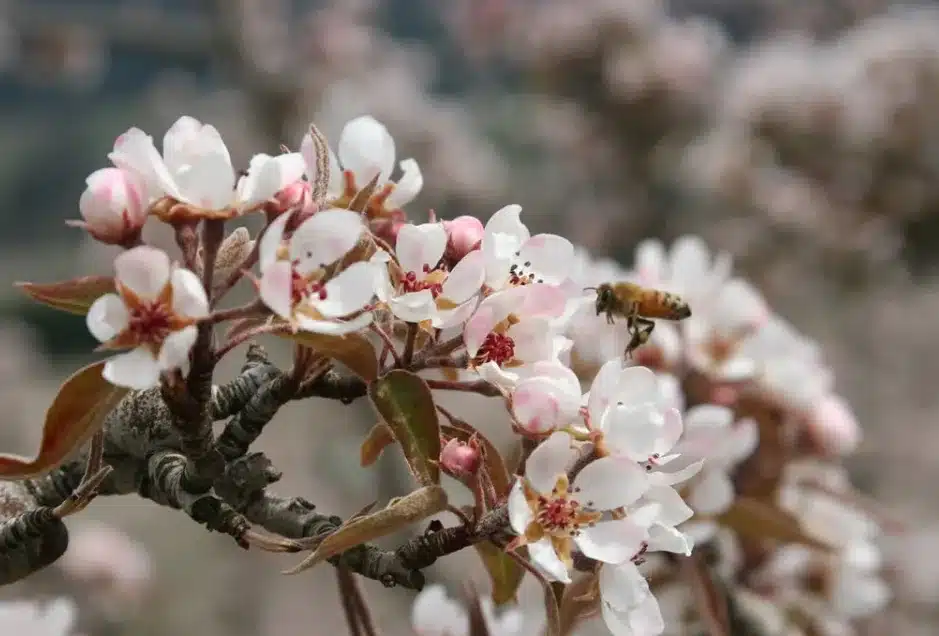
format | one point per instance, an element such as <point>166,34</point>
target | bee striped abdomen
<point>659,304</point>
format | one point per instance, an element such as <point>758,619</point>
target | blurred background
<point>803,137</point>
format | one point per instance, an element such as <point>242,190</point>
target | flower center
<point>302,288</point>
<point>520,275</point>
<point>497,348</point>
<point>433,280</point>
<point>558,515</point>
<point>151,322</point>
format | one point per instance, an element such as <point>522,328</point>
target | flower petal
<point>466,279</point>
<point>520,514</point>
<point>673,509</point>
<point>548,461</point>
<point>144,270</point>
<point>324,238</point>
<point>544,557</point>
<point>134,151</point>
<point>549,256</point>
<point>189,298</point>
<point>713,494</point>
<point>414,306</point>
<point>408,186</point>
<point>107,317</point>
<point>174,353</point>
<point>633,431</point>
<point>534,340</point>
<point>271,239</point>
<point>610,482</point>
<point>612,541</point>
<point>666,539</point>
<point>623,586</point>
<point>479,326</point>
<point>650,263</point>
<point>276,288</point>
<point>435,614</point>
<point>269,175</point>
<point>507,220</point>
<point>136,369</point>
<point>420,246</point>
<point>366,148</point>
<point>334,327</point>
<point>348,292</point>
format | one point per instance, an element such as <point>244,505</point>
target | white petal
<point>666,539</point>
<point>550,257</point>
<point>492,373</point>
<point>507,220</point>
<point>638,431</point>
<point>335,327</point>
<point>610,482</point>
<point>713,494</point>
<point>189,297</point>
<point>134,151</point>
<point>174,353</point>
<point>623,586</point>
<point>533,338</point>
<point>269,175</point>
<point>548,461</point>
<point>325,238</point>
<point>520,514</point>
<point>136,369</point>
<point>348,292</point>
<point>414,306</point>
<point>408,186</point>
<point>435,614</point>
<point>420,246</point>
<point>270,241</point>
<point>673,509</point>
<point>612,541</point>
<point>690,262</point>
<point>678,469</point>
<point>742,442</point>
<point>466,279</point>
<point>708,416</point>
<point>181,143</point>
<point>737,368</point>
<point>544,557</point>
<point>603,390</point>
<point>448,318</point>
<point>637,385</point>
<point>209,181</point>
<point>107,317</point>
<point>479,326</point>
<point>650,262</point>
<point>276,288</point>
<point>144,270</point>
<point>366,148</point>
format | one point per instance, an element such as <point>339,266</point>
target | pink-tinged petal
<point>107,317</point>
<point>612,541</point>
<point>544,557</point>
<point>367,148</point>
<point>189,297</point>
<point>112,204</point>
<point>325,238</point>
<point>610,482</point>
<point>633,431</point>
<point>466,279</point>
<point>536,407</point>
<point>144,270</point>
<point>559,373</point>
<point>712,494</point>
<point>741,442</point>
<point>348,292</point>
<point>271,239</point>
<point>551,258</point>
<point>651,262</point>
<point>542,301</point>
<point>637,385</point>
<point>414,306</point>
<point>503,380</point>
<point>269,175</point>
<point>666,539</point>
<point>549,460</point>
<point>834,426</point>
<point>181,146</point>
<point>623,586</point>
<point>673,509</point>
<point>534,340</point>
<point>209,183</point>
<point>520,514</point>
<point>479,326</point>
<point>276,288</point>
<point>174,353</point>
<point>408,186</point>
<point>136,369</point>
<point>447,318</point>
<point>420,246</point>
<point>507,220</point>
<point>335,327</point>
<point>134,151</point>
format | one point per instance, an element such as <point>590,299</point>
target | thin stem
<point>440,349</point>
<point>188,243</point>
<point>389,344</point>
<point>347,598</point>
<point>213,233</point>
<point>409,341</point>
<point>477,386</point>
<point>242,311</point>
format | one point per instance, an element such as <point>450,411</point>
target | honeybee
<point>638,305</point>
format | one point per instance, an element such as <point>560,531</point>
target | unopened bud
<point>231,256</point>
<point>113,206</point>
<point>459,458</point>
<point>297,196</point>
<point>464,234</point>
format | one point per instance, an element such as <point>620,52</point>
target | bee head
<point>605,298</point>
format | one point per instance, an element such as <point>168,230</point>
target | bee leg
<point>640,329</point>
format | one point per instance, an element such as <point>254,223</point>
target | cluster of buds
<point>625,466</point>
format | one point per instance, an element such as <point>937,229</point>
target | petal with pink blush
<point>535,406</point>
<point>446,318</point>
<point>144,270</point>
<point>549,460</point>
<point>541,301</point>
<point>551,258</point>
<point>713,494</point>
<point>610,482</point>
<point>479,326</point>
<point>420,246</point>
<point>269,175</point>
<point>276,288</point>
<point>367,149</point>
<point>134,151</point>
<point>651,262</point>
<point>533,340</point>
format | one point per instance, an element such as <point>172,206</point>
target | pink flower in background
<point>113,206</point>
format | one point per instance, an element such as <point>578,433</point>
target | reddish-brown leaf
<point>353,350</point>
<point>73,296</point>
<point>760,519</point>
<point>710,599</point>
<point>76,413</point>
<point>378,438</point>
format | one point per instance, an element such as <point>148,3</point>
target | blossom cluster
<point>630,463</point>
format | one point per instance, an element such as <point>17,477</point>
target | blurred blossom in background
<point>801,138</point>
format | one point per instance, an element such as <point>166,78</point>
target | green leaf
<point>504,572</point>
<point>353,350</point>
<point>760,519</point>
<point>73,296</point>
<point>75,415</point>
<point>406,405</point>
<point>403,512</point>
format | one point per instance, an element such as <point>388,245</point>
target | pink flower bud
<point>464,234</point>
<point>459,458</point>
<point>833,427</point>
<point>113,206</point>
<point>296,196</point>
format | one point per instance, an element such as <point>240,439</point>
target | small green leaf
<point>75,415</point>
<point>760,519</point>
<point>73,296</point>
<point>406,404</point>
<point>353,350</point>
<point>504,572</point>
<point>405,511</point>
